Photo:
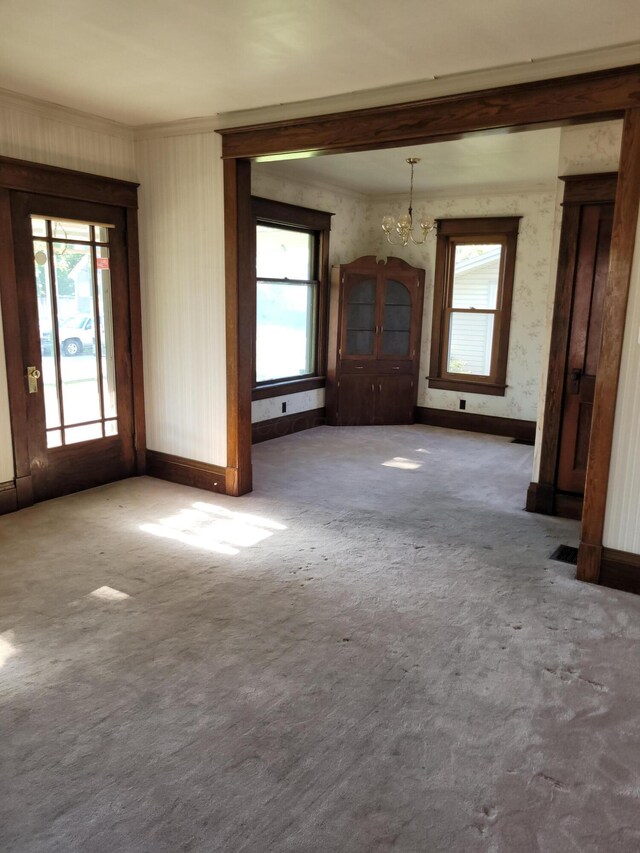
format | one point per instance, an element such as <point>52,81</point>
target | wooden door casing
<point>62,470</point>
<point>592,263</point>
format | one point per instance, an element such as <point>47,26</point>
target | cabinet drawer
<point>376,367</point>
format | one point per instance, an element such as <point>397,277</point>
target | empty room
<point>319,449</point>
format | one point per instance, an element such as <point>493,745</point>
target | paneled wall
<point>622,524</point>
<point>32,131</point>
<point>349,240</point>
<point>183,296</point>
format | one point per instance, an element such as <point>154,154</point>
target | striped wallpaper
<point>183,297</point>
<point>622,524</point>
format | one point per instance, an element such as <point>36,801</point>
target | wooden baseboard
<point>287,424</point>
<point>540,498</point>
<point>489,424</point>
<point>589,559</point>
<point>568,506</point>
<point>8,497</point>
<point>187,472</point>
<point>543,498</point>
<point>620,570</point>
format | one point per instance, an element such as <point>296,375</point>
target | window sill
<point>289,386</point>
<point>467,386</point>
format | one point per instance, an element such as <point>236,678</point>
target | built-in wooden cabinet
<point>374,342</point>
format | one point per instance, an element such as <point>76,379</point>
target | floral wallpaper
<point>349,224</point>
<point>531,285</point>
<point>590,148</point>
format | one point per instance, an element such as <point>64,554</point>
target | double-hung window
<point>475,262</point>
<point>291,295</point>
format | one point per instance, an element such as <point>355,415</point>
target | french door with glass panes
<point>73,296</point>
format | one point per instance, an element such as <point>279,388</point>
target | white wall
<point>531,284</point>
<point>349,240</point>
<point>57,137</point>
<point>622,519</point>
<point>183,295</point>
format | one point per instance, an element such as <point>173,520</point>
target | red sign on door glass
<point>102,263</point>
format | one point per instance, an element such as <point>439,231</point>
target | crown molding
<point>435,87</point>
<point>441,86</point>
<point>66,115</point>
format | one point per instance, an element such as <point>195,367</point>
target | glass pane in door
<point>396,327</point>
<point>76,330</point>
<point>361,317</point>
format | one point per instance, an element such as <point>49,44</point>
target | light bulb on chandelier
<point>403,225</point>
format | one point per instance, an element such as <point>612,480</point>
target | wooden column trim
<point>135,313</point>
<point>593,96</point>
<point>623,237</point>
<point>240,299</point>
<point>13,349</point>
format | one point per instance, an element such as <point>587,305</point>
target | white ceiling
<point>161,60</point>
<point>529,158</point>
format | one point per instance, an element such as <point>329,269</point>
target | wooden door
<point>73,296</point>
<point>592,262</point>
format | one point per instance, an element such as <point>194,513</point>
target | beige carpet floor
<point>372,652</point>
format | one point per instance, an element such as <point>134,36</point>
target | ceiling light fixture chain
<point>403,226</point>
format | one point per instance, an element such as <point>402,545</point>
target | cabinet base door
<point>394,400</point>
<point>356,400</point>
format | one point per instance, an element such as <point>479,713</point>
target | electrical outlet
<point>463,404</point>
<point>284,408</point>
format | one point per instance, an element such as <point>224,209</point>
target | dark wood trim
<point>287,424</point>
<point>598,188</point>
<point>319,222</point>
<point>552,421</point>
<point>13,342</point>
<point>489,424</point>
<point>187,472</point>
<point>587,97</point>
<point>18,176</point>
<point>8,497</point>
<point>540,498</point>
<point>282,389</point>
<point>579,190</point>
<point>479,226</point>
<point>240,319</point>
<point>492,389</point>
<point>498,229</point>
<point>581,97</point>
<point>623,237</point>
<point>24,491</point>
<point>66,183</point>
<point>282,213</point>
<point>620,570</point>
<point>589,559</point>
<point>568,506</point>
<point>544,498</point>
<point>135,312</point>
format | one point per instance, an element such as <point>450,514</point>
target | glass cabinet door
<point>396,325</point>
<point>360,327</point>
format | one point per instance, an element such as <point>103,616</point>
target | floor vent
<point>528,441</point>
<point>565,554</point>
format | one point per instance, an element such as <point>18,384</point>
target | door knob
<point>33,374</point>
<point>575,376</point>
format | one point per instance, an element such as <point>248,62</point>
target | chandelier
<point>403,226</point>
